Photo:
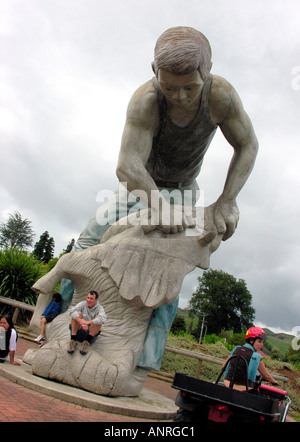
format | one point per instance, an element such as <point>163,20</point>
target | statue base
<point>148,404</point>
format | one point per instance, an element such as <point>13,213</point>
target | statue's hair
<point>181,50</point>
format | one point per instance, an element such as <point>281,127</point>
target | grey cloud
<point>69,69</point>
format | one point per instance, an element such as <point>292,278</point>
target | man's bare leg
<point>75,326</point>
<point>93,330</point>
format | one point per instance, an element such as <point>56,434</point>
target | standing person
<point>51,311</point>
<point>86,323</point>
<point>170,123</point>
<point>8,339</point>
<point>255,337</point>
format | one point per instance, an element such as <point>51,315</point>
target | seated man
<point>87,319</point>
<point>236,370</point>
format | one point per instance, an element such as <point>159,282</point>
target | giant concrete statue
<point>170,123</point>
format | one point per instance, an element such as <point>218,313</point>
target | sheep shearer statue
<point>141,243</point>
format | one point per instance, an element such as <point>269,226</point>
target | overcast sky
<point>68,69</point>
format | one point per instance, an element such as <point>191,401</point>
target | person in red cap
<point>248,353</point>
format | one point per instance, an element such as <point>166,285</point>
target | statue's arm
<point>140,126</point>
<point>228,112</point>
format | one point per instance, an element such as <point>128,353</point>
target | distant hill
<point>279,340</point>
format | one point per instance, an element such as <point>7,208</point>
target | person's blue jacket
<point>53,307</point>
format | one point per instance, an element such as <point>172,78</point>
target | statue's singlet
<point>177,152</point>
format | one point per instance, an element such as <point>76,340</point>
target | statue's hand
<point>171,219</point>
<point>226,216</point>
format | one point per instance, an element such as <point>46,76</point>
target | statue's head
<point>182,50</point>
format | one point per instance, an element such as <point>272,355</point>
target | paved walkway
<point>21,404</point>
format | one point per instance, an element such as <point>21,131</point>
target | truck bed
<point>212,393</point>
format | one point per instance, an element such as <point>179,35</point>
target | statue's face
<point>181,90</point>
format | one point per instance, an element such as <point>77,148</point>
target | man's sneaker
<point>85,347</point>
<point>40,338</point>
<point>72,346</point>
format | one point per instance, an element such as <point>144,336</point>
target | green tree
<point>44,248</point>
<point>16,233</point>
<point>225,302</point>
<point>69,246</point>
<point>178,324</point>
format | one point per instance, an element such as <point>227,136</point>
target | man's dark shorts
<point>83,334</point>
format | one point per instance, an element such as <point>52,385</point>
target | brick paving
<point>20,404</point>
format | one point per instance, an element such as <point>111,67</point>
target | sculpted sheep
<point>134,273</point>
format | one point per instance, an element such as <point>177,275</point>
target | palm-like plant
<point>18,272</point>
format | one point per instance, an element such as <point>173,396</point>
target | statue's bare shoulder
<point>222,98</point>
<point>143,110</point>
<point>227,111</point>
<point>142,122</point>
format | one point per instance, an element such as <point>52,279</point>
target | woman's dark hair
<point>57,297</point>
<point>8,319</point>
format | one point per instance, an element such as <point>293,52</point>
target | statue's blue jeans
<point>119,205</point>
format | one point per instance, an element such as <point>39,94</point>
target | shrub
<point>237,339</point>
<point>181,339</point>
<point>212,339</point>
<point>277,354</point>
<point>18,272</point>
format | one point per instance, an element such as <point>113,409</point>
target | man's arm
<point>228,112</point>
<point>100,318</point>
<point>76,311</point>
